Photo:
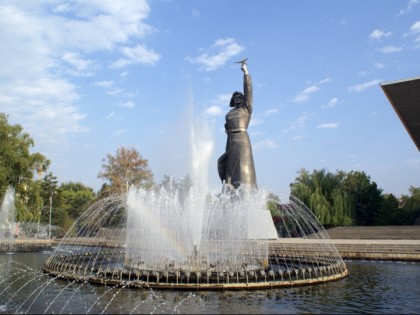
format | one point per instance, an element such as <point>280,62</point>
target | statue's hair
<point>232,104</point>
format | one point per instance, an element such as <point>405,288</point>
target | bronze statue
<point>236,165</point>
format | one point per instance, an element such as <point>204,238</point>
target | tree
<point>17,168</point>
<point>71,200</point>
<point>367,197</point>
<point>323,193</point>
<point>389,212</point>
<point>76,198</point>
<point>28,201</point>
<point>124,169</point>
<point>16,162</point>
<point>410,206</point>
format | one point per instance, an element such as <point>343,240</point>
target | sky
<point>84,78</point>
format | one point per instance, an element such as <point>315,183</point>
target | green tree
<point>28,201</point>
<point>323,193</point>
<point>124,169</point>
<point>17,168</point>
<point>389,211</point>
<point>273,204</point>
<point>367,197</point>
<point>409,206</point>
<point>76,198</point>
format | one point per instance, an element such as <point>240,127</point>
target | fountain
<point>143,239</point>
<point>7,216</point>
<point>171,238</point>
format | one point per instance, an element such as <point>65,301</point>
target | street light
<point>49,226</point>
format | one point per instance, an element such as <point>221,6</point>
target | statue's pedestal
<point>261,225</point>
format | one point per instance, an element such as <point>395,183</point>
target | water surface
<point>379,287</point>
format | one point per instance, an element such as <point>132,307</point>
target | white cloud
<point>79,66</point>
<point>363,86</point>
<point>271,112</point>
<point>408,8</point>
<point>213,111</point>
<point>117,133</point>
<point>128,104</point>
<point>255,121</point>
<point>217,55</point>
<point>265,144</point>
<point>115,91</point>
<point>110,115</point>
<point>304,95</point>
<point>323,81</point>
<point>136,55</point>
<point>311,89</point>
<point>415,28</point>
<point>300,122</point>
<point>379,65</point>
<point>331,103</point>
<point>298,137</point>
<point>378,34</point>
<point>46,39</point>
<point>105,84</point>
<point>328,126</point>
<point>390,49</point>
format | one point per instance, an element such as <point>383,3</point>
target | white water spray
<point>8,215</point>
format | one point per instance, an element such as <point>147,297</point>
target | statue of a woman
<point>236,165</point>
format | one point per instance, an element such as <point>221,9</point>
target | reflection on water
<point>372,287</point>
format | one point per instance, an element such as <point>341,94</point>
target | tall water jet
<point>8,216</point>
<point>202,145</point>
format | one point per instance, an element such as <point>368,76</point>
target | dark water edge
<point>373,287</point>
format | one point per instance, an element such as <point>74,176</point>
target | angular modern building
<point>404,96</point>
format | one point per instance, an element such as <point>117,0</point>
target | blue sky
<point>85,77</point>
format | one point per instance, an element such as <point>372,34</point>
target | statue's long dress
<point>236,165</point>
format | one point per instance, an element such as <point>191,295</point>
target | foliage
<point>124,169</point>
<point>343,199</point>
<point>410,205</point>
<point>76,198</point>
<point>28,201</point>
<point>272,204</point>
<point>367,197</point>
<point>338,199</point>
<point>389,212</point>
<point>324,193</point>
<point>17,168</point>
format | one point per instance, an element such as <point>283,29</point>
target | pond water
<point>380,287</point>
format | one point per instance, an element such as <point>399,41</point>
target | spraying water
<point>178,237</point>
<point>8,215</point>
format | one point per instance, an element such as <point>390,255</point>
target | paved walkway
<point>377,242</point>
<point>409,232</point>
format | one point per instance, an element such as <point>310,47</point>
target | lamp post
<point>49,225</point>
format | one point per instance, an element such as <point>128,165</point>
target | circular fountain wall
<point>195,238</point>
<point>163,239</point>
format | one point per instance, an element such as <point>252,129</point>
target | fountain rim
<point>263,285</point>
